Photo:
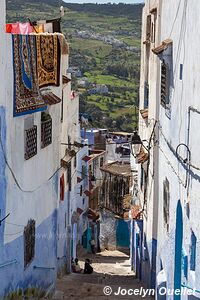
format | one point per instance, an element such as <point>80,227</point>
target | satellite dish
<point>62,11</point>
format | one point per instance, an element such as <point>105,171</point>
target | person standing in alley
<point>92,244</point>
<point>88,269</point>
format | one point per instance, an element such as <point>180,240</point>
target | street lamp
<point>136,144</point>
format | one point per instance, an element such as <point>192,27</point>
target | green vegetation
<point>102,62</point>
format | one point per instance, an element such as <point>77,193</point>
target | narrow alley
<point>112,270</point>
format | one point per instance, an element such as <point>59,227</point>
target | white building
<point>169,180</point>
<point>35,191</point>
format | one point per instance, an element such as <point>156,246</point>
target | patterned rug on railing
<point>27,97</point>
<point>48,59</point>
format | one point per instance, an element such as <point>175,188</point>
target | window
<point>81,190</point>
<point>29,242</point>
<point>148,28</point>
<point>166,199</point>
<point>69,143</point>
<point>141,178</point>
<point>193,252</point>
<point>181,71</point>
<point>62,108</point>
<point>146,95</point>
<point>69,175</point>
<point>46,130</point>
<point>101,161</point>
<point>75,161</point>
<point>164,89</point>
<point>153,24</point>
<point>30,142</point>
<point>84,172</point>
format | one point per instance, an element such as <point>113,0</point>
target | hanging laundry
<point>48,59</point>
<point>55,25</point>
<point>19,28</point>
<point>48,27</point>
<point>27,97</point>
<point>39,28</point>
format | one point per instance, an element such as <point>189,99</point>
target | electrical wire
<point>20,225</point>
<point>15,178</point>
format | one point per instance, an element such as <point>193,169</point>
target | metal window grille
<point>29,242</point>
<point>69,176</point>
<point>164,84</point>
<point>30,142</point>
<point>46,133</point>
<point>166,199</point>
<point>101,162</point>
<point>75,161</point>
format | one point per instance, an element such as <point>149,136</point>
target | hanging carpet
<point>48,59</point>
<point>27,97</point>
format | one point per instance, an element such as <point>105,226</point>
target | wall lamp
<point>188,156</point>
<point>136,144</point>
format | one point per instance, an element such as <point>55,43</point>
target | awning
<point>144,113</point>
<point>51,98</point>
<point>64,163</point>
<point>87,193</point>
<point>86,158</point>
<point>65,79</point>
<point>79,210</point>
<point>79,179</point>
<point>165,44</point>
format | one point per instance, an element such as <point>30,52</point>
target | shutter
<point>164,84</point>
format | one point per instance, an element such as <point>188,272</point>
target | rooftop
<point>117,168</point>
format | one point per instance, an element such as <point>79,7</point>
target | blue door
<point>178,249</point>
<point>123,234</point>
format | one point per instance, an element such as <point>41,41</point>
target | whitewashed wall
<point>181,24</point>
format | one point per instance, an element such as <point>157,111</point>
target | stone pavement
<point>111,269</point>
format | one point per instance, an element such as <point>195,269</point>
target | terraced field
<point>101,62</point>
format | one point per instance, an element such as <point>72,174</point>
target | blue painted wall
<point>14,276</point>
<point>89,135</point>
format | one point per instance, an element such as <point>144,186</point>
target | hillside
<point>105,49</point>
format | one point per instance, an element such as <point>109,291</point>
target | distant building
<point>114,193</point>
<point>99,89</point>
<point>83,82</point>
<point>96,138</point>
<point>118,147</point>
<point>75,71</point>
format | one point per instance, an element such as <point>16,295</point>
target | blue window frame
<point>193,252</point>
<point>146,95</point>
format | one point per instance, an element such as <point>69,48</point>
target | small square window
<point>29,242</point>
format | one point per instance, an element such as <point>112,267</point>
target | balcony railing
<point>46,133</point>
<point>30,142</point>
